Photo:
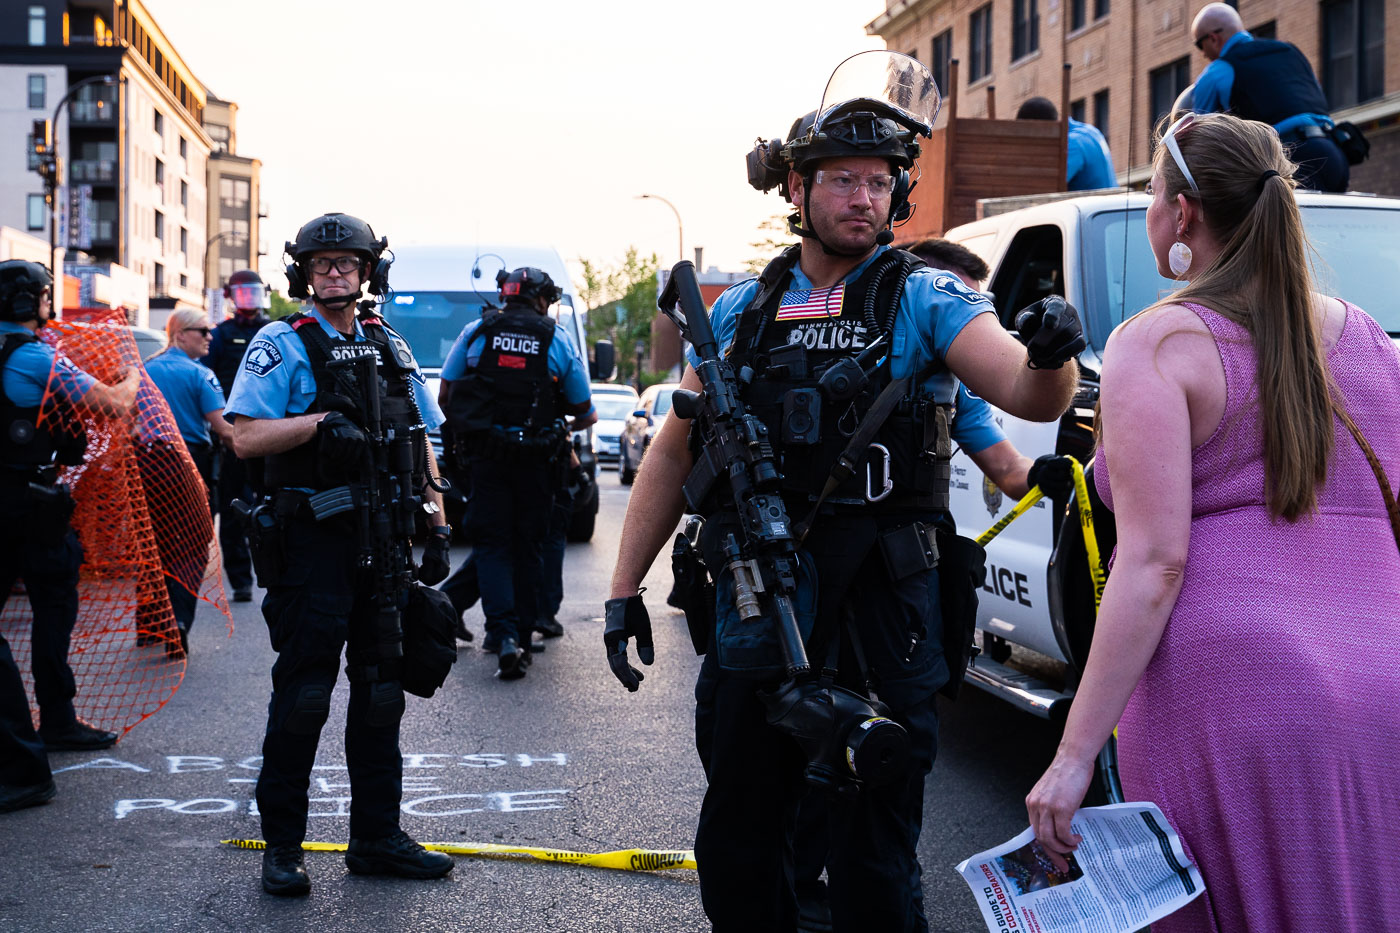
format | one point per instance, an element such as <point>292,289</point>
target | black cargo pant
<point>233,527</point>
<point>50,575</point>
<point>508,521</point>
<point>314,609</point>
<point>744,841</point>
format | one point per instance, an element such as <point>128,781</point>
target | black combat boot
<point>512,660</point>
<point>284,871</point>
<point>396,855</point>
<point>550,627</point>
<point>17,797</point>
<point>79,736</point>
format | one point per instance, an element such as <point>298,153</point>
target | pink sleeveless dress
<point>1267,724</point>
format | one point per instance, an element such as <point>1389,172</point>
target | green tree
<point>621,303</point>
<point>282,306</point>
<point>773,239</point>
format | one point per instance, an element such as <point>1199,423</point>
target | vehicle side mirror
<point>604,361</point>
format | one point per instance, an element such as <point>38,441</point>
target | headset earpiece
<point>379,277</point>
<point>296,282</point>
<point>24,307</point>
<point>901,208</point>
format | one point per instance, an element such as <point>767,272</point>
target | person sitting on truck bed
<point>1088,161</point>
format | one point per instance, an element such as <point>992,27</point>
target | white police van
<point>439,289</point>
<point>1036,612</point>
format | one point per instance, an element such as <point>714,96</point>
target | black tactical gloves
<point>626,618</point>
<point>1054,475</point>
<point>1051,331</point>
<point>436,563</point>
<point>341,442</point>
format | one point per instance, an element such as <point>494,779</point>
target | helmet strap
<point>337,304</point>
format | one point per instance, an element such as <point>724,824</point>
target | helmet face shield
<point>889,84</point>
<point>250,296</point>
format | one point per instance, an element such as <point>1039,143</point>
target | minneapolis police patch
<point>952,286</point>
<point>262,358</point>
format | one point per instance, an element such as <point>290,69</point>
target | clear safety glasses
<point>1169,140</point>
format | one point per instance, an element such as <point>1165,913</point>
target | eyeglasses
<point>202,331</point>
<point>846,184</point>
<point>1169,140</point>
<point>1201,40</point>
<point>321,265</point>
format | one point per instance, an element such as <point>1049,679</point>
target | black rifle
<point>846,737</point>
<point>385,499</point>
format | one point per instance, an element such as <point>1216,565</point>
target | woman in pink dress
<point>1248,644</point>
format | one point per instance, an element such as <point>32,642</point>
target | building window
<point>1025,28</point>
<point>1100,9</point>
<point>225,269</point>
<point>185,196</point>
<point>1267,30</point>
<point>1165,84</point>
<point>38,33</point>
<point>37,92</point>
<point>37,211</point>
<point>184,149</point>
<point>1353,51</point>
<point>160,226</point>
<point>942,55</point>
<point>1076,14</point>
<point>160,172</point>
<point>158,124</point>
<point>33,164</point>
<point>233,192</point>
<point>1076,110</point>
<point>158,271</point>
<point>184,242</point>
<point>237,232</point>
<point>184,280</point>
<point>1101,111</point>
<point>979,44</point>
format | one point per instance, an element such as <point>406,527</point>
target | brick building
<point>1131,58</point>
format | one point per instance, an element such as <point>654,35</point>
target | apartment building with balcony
<point>134,151</point>
<point>235,198</point>
<point>1131,58</point>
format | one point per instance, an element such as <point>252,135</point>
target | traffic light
<point>42,147</point>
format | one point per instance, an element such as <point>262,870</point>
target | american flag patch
<point>802,303</point>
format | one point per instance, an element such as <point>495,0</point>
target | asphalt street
<point>564,758</point>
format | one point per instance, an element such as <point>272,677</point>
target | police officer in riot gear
<point>304,401</point>
<point>514,380</point>
<point>870,573</point>
<point>1272,82</point>
<point>250,298</point>
<point>39,546</point>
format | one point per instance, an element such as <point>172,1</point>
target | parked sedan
<point>643,424</point>
<point>614,403</point>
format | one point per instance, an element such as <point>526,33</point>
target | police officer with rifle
<point>335,403</point>
<point>39,546</point>
<point>812,433</point>
<point>513,378</point>
<point>250,297</point>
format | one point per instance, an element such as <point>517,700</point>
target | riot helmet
<point>527,284</point>
<point>337,231</point>
<point>248,293</point>
<point>22,288</point>
<point>875,104</point>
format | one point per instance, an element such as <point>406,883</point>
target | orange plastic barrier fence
<point>142,514</point>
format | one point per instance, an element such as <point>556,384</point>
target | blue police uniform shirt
<point>1212,91</point>
<point>28,369</point>
<point>192,391</point>
<point>933,310</point>
<point>1089,163</point>
<point>565,365</point>
<point>974,428</point>
<point>276,381</point>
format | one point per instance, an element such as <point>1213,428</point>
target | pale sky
<point>535,121</point>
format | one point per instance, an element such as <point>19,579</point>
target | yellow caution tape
<point>1019,509</point>
<point>622,859</point>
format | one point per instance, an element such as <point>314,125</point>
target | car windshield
<point>1355,259</point>
<point>431,321</point>
<point>663,404</point>
<point>614,407</point>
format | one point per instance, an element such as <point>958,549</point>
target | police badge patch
<point>952,286</point>
<point>262,358</point>
<point>991,496</point>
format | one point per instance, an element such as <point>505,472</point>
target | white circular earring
<point>1179,258</point>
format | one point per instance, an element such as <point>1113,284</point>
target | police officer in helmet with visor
<point>868,601</point>
<point>516,389</point>
<point>39,546</point>
<point>317,396</point>
<point>250,297</point>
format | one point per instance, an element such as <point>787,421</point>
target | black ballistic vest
<point>24,442</point>
<point>789,340</point>
<point>300,466</point>
<point>234,334</point>
<point>510,386</point>
<point>1273,81</point>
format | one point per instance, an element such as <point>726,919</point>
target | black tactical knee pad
<point>385,706</point>
<point>310,710</point>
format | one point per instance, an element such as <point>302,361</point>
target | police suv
<point>438,290</point>
<point>1036,612</point>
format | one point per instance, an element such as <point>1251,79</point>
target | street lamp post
<point>54,167</point>
<point>641,349</point>
<point>208,245</point>
<point>680,230</point>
